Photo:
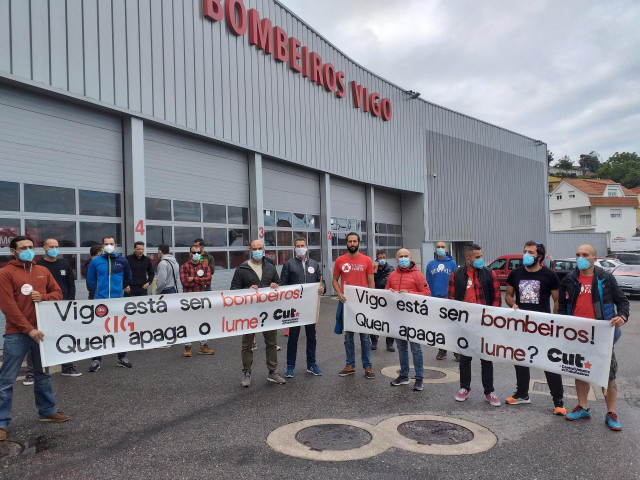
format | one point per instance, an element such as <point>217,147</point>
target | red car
<point>505,264</point>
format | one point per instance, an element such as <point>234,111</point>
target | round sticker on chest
<point>26,289</point>
<point>200,273</point>
<point>311,270</point>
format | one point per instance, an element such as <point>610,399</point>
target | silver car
<point>628,277</point>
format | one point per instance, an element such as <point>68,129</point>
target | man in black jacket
<point>141,271</point>
<point>256,273</point>
<point>381,271</point>
<point>301,269</point>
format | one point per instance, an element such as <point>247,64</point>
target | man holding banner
<point>529,288</point>
<point>356,269</point>
<point>475,283</point>
<point>590,292</point>
<point>22,284</point>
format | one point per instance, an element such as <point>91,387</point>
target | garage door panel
<point>290,188</point>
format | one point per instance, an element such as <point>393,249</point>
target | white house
<point>591,205</point>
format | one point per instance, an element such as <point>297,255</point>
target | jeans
<point>29,370</point>
<point>403,354</point>
<point>292,345</point>
<point>16,346</point>
<point>465,374</point>
<point>271,342</point>
<point>350,349</point>
<point>554,380</point>
<point>169,290</point>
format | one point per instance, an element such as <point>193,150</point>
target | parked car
<point>505,264</point>
<point>628,277</point>
<point>628,258</point>
<point>609,264</point>
<point>565,266</point>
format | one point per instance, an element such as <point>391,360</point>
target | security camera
<point>434,175</point>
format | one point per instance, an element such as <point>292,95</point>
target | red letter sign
<point>212,10</point>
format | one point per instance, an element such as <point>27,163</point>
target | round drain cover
<point>428,374</point>
<point>429,432</point>
<point>333,437</point>
<point>9,449</point>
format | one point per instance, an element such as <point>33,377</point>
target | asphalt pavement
<point>188,418</point>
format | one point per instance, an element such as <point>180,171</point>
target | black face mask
<point>353,249</point>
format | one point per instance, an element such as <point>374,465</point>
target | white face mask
<point>109,248</point>
<point>301,252</point>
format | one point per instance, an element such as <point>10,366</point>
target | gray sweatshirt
<point>167,276</point>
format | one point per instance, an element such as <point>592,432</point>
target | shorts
<point>613,368</point>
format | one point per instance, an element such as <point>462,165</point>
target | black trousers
<point>554,380</point>
<point>465,374</point>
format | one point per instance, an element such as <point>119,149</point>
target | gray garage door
<point>387,215</point>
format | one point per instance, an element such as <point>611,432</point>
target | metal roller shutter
<point>387,215</point>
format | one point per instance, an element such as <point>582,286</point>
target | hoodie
<point>438,273</point>
<point>409,279</point>
<point>168,273</point>
<point>18,308</point>
<point>108,275</point>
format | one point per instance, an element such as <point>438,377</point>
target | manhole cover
<point>9,449</point>
<point>333,437</point>
<point>430,432</point>
<point>428,374</point>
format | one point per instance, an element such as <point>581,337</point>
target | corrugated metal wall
<point>348,199</point>
<point>387,207</point>
<point>564,245</point>
<point>289,188</point>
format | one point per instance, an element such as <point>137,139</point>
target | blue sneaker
<point>578,413</point>
<point>289,372</point>
<point>611,419</point>
<point>313,369</point>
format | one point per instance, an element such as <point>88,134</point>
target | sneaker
<point>611,419</point>
<point>493,399</point>
<point>456,357</point>
<point>418,385</point>
<point>275,377</point>
<point>246,379</point>
<point>70,372</point>
<point>559,410</point>
<point>205,350</point>
<point>254,346</point>
<point>278,348</point>
<point>442,354</point>
<point>462,395</point>
<point>374,346</point>
<point>57,417</point>
<point>578,413</point>
<point>286,332</point>
<point>28,380</point>
<point>124,362</point>
<point>187,351</point>
<point>95,366</point>
<point>400,381</point>
<point>3,434</point>
<point>314,370</point>
<point>368,373</point>
<point>289,372</point>
<point>516,399</point>
<point>348,370</point>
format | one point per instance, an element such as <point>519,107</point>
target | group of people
<point>587,292</point>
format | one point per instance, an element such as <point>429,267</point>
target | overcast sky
<point>566,72</point>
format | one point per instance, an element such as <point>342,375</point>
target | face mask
<point>109,249</point>
<point>26,255</point>
<point>382,261</point>
<point>301,252</point>
<point>441,252</point>
<point>195,257</point>
<point>478,263</point>
<point>52,252</point>
<point>404,262</point>
<point>527,259</point>
<point>583,263</point>
<point>257,255</point>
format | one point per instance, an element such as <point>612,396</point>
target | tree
<point>623,168</point>
<point>565,163</point>
<point>590,161</point>
<point>549,157</point>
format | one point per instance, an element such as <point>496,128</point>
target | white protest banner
<point>77,329</point>
<point>573,346</point>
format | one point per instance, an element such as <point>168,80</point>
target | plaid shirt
<point>477,286</point>
<point>190,269</point>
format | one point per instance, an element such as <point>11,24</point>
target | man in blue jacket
<point>591,292</point>
<point>109,276</point>
<point>297,270</point>
<point>438,272</point>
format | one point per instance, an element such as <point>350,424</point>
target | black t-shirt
<point>533,289</point>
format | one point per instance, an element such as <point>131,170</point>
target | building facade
<point>164,121</point>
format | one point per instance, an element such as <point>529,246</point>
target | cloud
<point>566,72</point>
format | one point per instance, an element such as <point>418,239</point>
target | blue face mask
<point>583,263</point>
<point>257,255</point>
<point>27,255</point>
<point>441,252</point>
<point>404,262</point>
<point>527,259</point>
<point>382,261</point>
<point>478,263</point>
<point>52,252</point>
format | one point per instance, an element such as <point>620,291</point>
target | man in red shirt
<point>475,283</point>
<point>353,268</point>
<point>591,292</point>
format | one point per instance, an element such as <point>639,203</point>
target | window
<point>616,213</point>
<point>239,215</point>
<point>214,213</point>
<point>9,228</point>
<point>282,229</point>
<point>10,196</point>
<point>158,209</point>
<point>585,219</point>
<point>64,232</point>
<point>159,234</point>
<point>91,233</point>
<point>100,204</point>
<point>572,194</point>
<point>558,196</point>
<point>498,264</point>
<point>45,199</point>
<point>557,216</point>
<point>611,193</point>
<point>184,236</point>
<point>515,263</point>
<point>340,227</point>
<point>186,211</point>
